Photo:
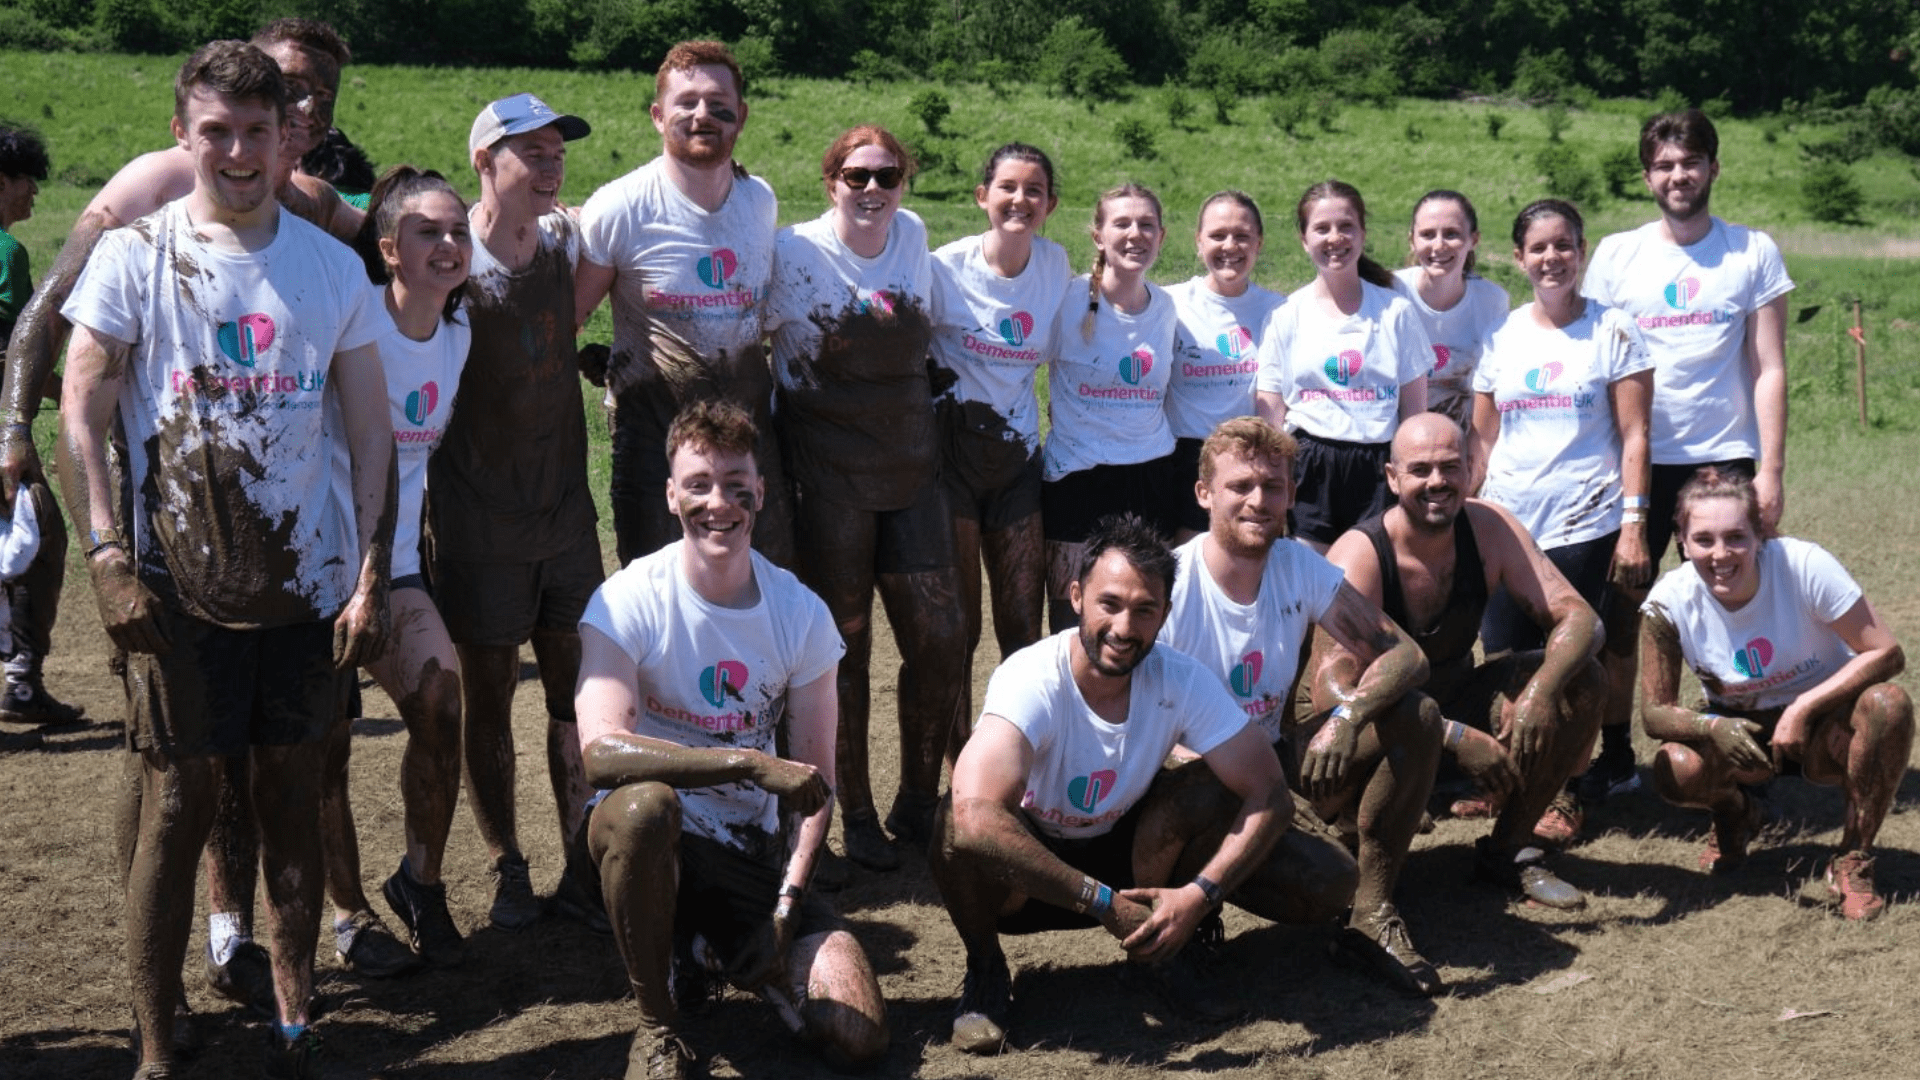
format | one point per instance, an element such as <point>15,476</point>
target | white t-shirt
<point>1108,396</point>
<point>1254,648</point>
<point>1692,304</point>
<point>1459,338</point>
<point>230,417</point>
<point>991,332</point>
<point>716,676</point>
<point>1342,377</point>
<point>422,379</point>
<point>19,543</point>
<point>1780,644</point>
<point>1216,354</point>
<point>1556,463</point>
<point>701,274</point>
<point>1087,773</point>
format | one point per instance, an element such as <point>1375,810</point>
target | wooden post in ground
<point>1860,364</point>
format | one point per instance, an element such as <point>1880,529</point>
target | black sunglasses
<point>888,178</point>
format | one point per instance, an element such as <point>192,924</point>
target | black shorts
<point>914,540</point>
<point>1470,695</point>
<point>1071,505</point>
<point>1108,858</point>
<point>994,508</point>
<point>1184,467</point>
<point>1337,485</point>
<point>1664,499</point>
<point>495,604</point>
<point>1505,627</point>
<point>218,692</point>
<point>727,897</point>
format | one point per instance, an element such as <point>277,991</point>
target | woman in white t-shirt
<point>1342,363</point>
<point>997,296</point>
<point>416,245</point>
<point>1223,316</point>
<point>1109,450</point>
<point>1797,668</point>
<point>1458,308</point>
<point>849,311</point>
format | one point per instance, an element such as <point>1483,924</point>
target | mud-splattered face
<point>1681,180</point>
<point>1130,234</point>
<point>430,248</point>
<point>1120,611</point>
<point>1720,543</point>
<point>313,82</point>
<point>1442,238</point>
<point>1247,501</point>
<point>1551,255</point>
<point>235,143</point>
<point>700,115</point>
<point>1334,236</point>
<point>527,169</point>
<point>867,210</point>
<point>16,199</point>
<point>1228,242</point>
<point>716,494</point>
<point>1019,198</point>
<point>1428,473</point>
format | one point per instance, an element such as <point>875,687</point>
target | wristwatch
<point>99,540</point>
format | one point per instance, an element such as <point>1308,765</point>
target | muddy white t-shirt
<point>991,332</point>
<point>1253,648</point>
<point>699,274</point>
<point>1342,376</point>
<point>1216,355</point>
<point>716,676</point>
<point>241,513</point>
<point>1459,338</point>
<point>1087,773</point>
<point>1556,463</point>
<point>1693,303</point>
<point>850,355</point>
<point>1780,644</point>
<point>422,378</point>
<point>1108,396</point>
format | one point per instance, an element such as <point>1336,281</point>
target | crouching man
<point>699,664</point>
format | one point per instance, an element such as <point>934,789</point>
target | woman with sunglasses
<point>848,310</point>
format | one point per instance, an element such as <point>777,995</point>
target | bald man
<point>1430,562</point>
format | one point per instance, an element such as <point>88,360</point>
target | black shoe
<point>514,905</point>
<point>1383,947</point>
<point>1610,774</point>
<point>581,903</point>
<point>301,1058</point>
<point>246,978</point>
<point>660,1055</point>
<point>866,844</point>
<point>1524,873</point>
<point>986,1000</point>
<point>366,947</point>
<point>911,819</point>
<point>29,703</point>
<point>422,909</point>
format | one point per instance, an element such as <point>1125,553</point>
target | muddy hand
<point>1486,762</point>
<point>1734,739</point>
<point>128,609</point>
<point>18,460</point>
<point>360,631</point>
<point>798,784</point>
<point>1329,755</point>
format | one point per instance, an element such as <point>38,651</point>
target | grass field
<point>1667,974</point>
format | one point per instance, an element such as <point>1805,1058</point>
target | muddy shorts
<point>1337,485</point>
<point>990,475</point>
<point>914,540</point>
<point>1071,505</point>
<point>995,508</point>
<point>495,604</point>
<point>1663,498</point>
<point>218,692</point>
<point>727,896</point>
<point>1107,857</point>
<point>1469,695</point>
<point>1505,627</point>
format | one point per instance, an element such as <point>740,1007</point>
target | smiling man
<point>708,707</point>
<point>685,245</point>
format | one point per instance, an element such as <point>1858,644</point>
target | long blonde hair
<point>1128,190</point>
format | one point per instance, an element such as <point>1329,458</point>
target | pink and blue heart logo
<point>1086,792</point>
<point>1442,356</point>
<point>420,403</point>
<point>246,338</point>
<point>1680,293</point>
<point>1246,674</point>
<point>723,680</point>
<point>878,302</point>
<point>1343,367</point>
<point>1136,365</point>
<point>1016,328</point>
<point>1235,343</point>
<point>716,268</point>
<point>1542,377</point>
<point>1752,660</point>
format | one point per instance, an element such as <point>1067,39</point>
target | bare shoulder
<point>1505,546</point>
<point>144,185</point>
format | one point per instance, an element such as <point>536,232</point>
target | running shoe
<point>1380,943</point>
<point>1610,774</point>
<point>422,909</point>
<point>366,947</point>
<point>29,703</point>
<point>659,1055</point>
<point>1560,825</point>
<point>514,905</point>
<point>986,1001</point>
<point>298,1058</point>
<point>1524,874</point>
<point>246,978</point>
<point>1847,884</point>
<point>865,843</point>
<point>1727,844</point>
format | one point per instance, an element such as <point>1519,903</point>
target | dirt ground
<point>1665,974</point>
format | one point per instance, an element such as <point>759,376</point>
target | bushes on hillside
<point>1828,193</point>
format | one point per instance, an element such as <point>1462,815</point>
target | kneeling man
<point>1060,796</point>
<point>699,664</point>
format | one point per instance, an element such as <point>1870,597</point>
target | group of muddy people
<point>1317,566</point>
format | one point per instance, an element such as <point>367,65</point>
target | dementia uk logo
<point>1016,328</point>
<point>1752,660</point>
<point>717,268</point>
<point>1085,792</point>
<point>1235,344</point>
<point>1136,365</point>
<point>1246,674</point>
<point>1680,296</point>
<point>1343,366</point>
<point>421,402</point>
<point>723,680</point>
<point>1442,356</point>
<point>245,338</point>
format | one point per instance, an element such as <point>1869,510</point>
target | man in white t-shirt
<point>1243,604</point>
<point>684,244</point>
<point>1060,792</point>
<point>700,661</point>
<point>236,346</point>
<point>1711,300</point>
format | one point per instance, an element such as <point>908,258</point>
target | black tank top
<point>1450,639</point>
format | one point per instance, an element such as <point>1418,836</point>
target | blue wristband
<point>1102,902</point>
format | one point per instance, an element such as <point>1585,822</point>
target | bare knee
<point>634,818</point>
<point>1677,771</point>
<point>1886,708</point>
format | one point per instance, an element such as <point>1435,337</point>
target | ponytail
<point>1093,294</point>
<point>1373,273</point>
